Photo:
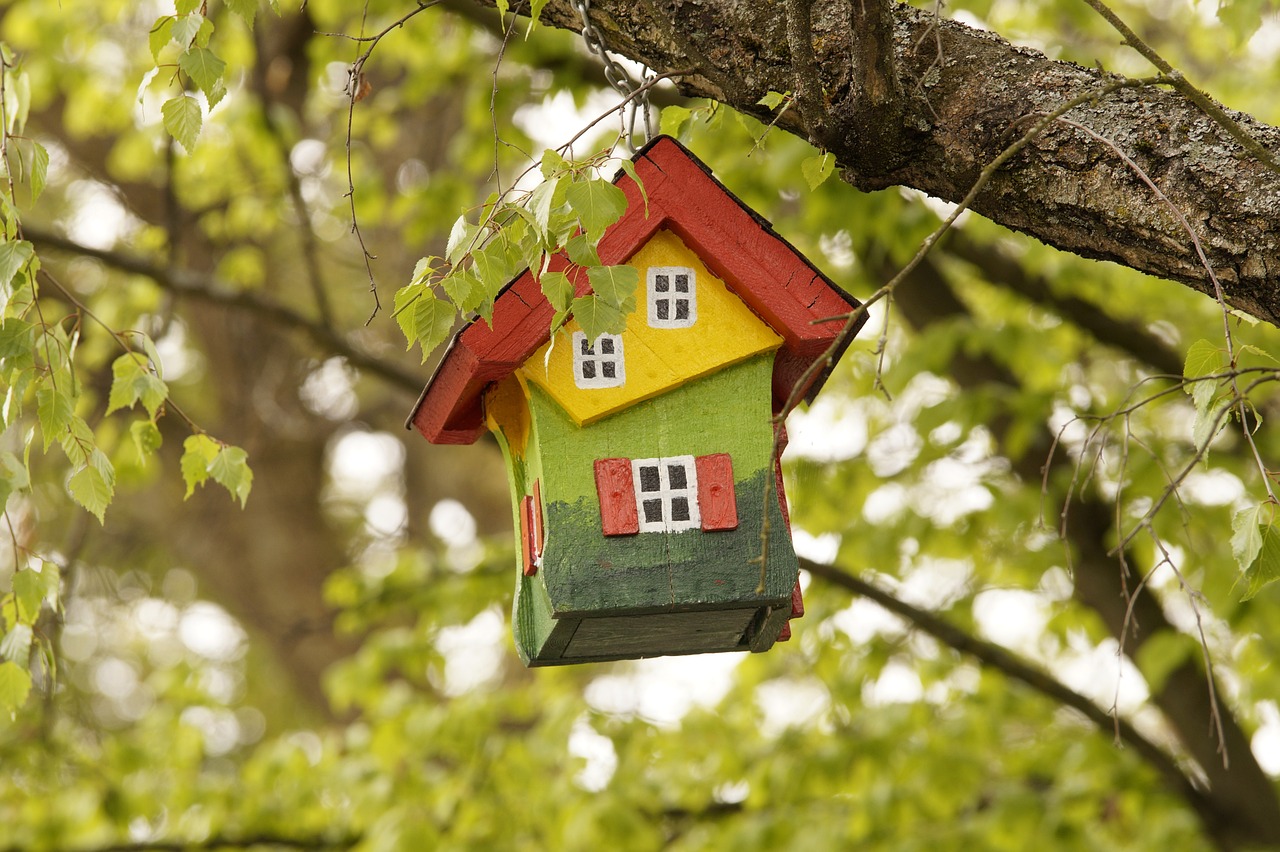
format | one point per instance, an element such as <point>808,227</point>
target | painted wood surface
<point>615,486</point>
<point>640,464</point>
<point>725,332</point>
<point>736,245</point>
<point>716,496</point>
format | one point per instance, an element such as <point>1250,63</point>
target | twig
<point>196,286</point>
<point>1193,94</point>
<point>1009,664</point>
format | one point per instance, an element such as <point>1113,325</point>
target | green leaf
<point>1204,358</point>
<point>597,316</point>
<point>16,645</point>
<point>1208,423</point>
<point>616,285</point>
<point>423,318</point>
<point>772,100</point>
<point>13,256</point>
<point>185,29</point>
<point>77,440</point>
<point>161,34</point>
<point>39,170</point>
<point>146,437</point>
<point>203,67</point>
<point>1266,568</point>
<point>552,164</point>
<point>535,12</point>
<point>183,119</point>
<point>463,289</point>
<point>462,238</point>
<point>15,684</point>
<point>13,477</point>
<point>1246,538</point>
<point>55,410</point>
<point>423,270</point>
<point>32,587</point>
<point>817,169</point>
<point>133,381</point>
<point>198,453</point>
<point>630,168</point>
<point>558,289</point>
<point>247,9</point>
<point>582,250</point>
<point>542,201</point>
<point>186,7</point>
<point>675,119</point>
<point>94,484</point>
<point>598,204</point>
<point>230,469</point>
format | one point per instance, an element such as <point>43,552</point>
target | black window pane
<point>676,476</point>
<point>682,283</point>
<point>588,369</point>
<point>609,369</point>
<point>653,511</point>
<point>586,347</point>
<point>661,283</point>
<point>680,509</point>
<point>682,309</point>
<point>663,309</point>
<point>606,345</point>
<point>649,478</point>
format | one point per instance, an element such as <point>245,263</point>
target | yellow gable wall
<point>657,359</point>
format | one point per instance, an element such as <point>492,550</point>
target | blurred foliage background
<point>331,667</point>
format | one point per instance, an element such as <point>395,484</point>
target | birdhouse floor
<point>619,637</point>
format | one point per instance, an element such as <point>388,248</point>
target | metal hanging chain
<point>619,79</point>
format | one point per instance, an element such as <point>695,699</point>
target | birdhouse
<point>641,464</point>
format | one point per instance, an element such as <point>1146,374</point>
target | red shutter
<point>717,502</point>
<point>527,531</point>
<point>618,512</point>
<point>539,533</point>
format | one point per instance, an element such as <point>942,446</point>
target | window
<point>598,364</point>
<point>673,301</point>
<point>666,493</point>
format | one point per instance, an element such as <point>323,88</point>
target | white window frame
<point>598,359</point>
<point>670,297</point>
<point>666,494</point>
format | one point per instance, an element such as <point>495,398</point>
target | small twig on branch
<point>1193,94</point>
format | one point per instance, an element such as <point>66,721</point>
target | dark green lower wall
<point>603,587</point>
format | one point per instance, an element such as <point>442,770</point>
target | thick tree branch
<point>1067,191</point>
<point>193,285</point>
<point>996,657</point>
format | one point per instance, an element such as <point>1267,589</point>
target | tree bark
<point>969,95</point>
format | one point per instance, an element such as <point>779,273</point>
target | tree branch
<point>1057,190</point>
<point>199,287</point>
<point>996,657</point>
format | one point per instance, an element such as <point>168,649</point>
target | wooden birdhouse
<point>641,464</point>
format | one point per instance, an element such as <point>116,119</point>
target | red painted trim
<point>527,533</point>
<point>785,633</point>
<point>717,503</point>
<point>539,528</point>
<point>618,512</point>
<point>737,245</point>
<point>797,602</point>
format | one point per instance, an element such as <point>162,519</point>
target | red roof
<point>735,243</point>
